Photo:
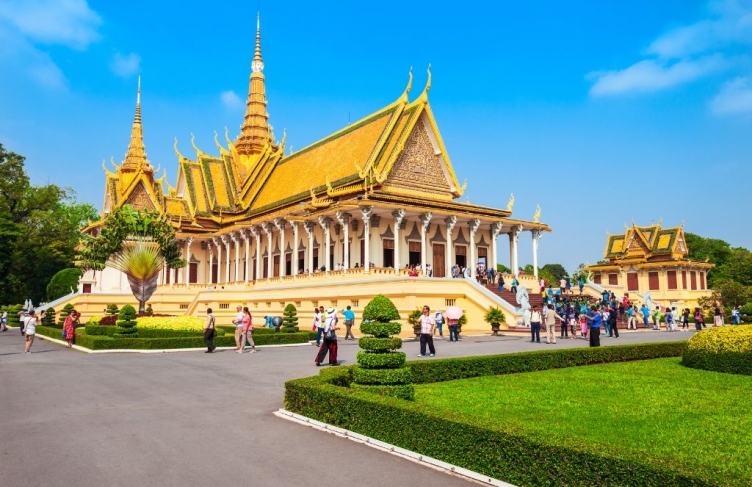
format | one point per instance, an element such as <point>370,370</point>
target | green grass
<point>694,420</point>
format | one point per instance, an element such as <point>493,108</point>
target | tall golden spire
<point>255,132</point>
<point>135,158</point>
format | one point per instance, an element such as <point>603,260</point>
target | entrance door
<point>288,264</point>
<point>438,260</point>
<point>193,273</point>
<point>214,273</point>
<point>388,259</point>
<point>414,255</point>
<point>632,281</point>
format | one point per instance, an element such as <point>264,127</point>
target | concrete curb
<point>392,450</point>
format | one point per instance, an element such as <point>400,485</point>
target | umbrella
<point>453,313</point>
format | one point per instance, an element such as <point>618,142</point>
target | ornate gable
<point>140,198</point>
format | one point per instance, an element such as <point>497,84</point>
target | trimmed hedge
<point>470,442</point>
<point>256,330</point>
<point>399,391</point>
<point>147,332</point>
<point>379,344</point>
<point>380,329</point>
<point>382,376</point>
<point>722,349</point>
<point>387,360</point>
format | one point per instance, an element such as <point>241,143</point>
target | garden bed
<point>491,441</point>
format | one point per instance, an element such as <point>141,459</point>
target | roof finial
<point>135,157</point>
<point>409,84</point>
<point>424,95</point>
<point>258,64</point>
<point>138,100</point>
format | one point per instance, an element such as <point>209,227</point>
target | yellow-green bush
<point>171,322</point>
<point>721,349</point>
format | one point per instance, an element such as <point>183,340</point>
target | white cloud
<point>652,75</point>
<point>231,100</point>
<point>19,56</point>
<point>68,22</point>
<point>125,65</point>
<point>735,97</point>
<point>685,53</point>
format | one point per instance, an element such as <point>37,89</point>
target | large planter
<point>416,330</point>
<point>495,328</point>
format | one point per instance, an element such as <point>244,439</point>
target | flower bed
<point>722,349</point>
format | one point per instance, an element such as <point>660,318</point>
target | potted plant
<point>412,319</point>
<point>494,316</point>
<point>461,321</point>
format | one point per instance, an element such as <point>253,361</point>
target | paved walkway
<point>192,419</point>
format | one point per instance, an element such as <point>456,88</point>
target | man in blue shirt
<point>595,326</point>
<point>645,315</point>
<point>349,320</point>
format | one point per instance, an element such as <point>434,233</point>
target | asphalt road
<point>193,419</point>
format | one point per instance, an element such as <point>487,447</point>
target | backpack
<point>439,318</point>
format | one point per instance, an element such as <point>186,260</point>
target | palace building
<point>652,259</point>
<point>335,222</point>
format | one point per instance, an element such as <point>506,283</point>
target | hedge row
<point>230,329</point>
<point>470,442</point>
<point>100,342</point>
<point>148,332</point>
<point>721,349</point>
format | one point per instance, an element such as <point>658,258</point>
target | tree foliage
<point>381,309</point>
<point>731,278</point>
<point>39,229</point>
<point>62,283</point>
<point>556,270</point>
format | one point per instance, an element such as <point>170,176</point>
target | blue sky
<point>601,112</point>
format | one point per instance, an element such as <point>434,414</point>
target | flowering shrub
<point>171,322</point>
<point>722,349</point>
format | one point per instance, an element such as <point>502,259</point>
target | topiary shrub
<point>149,310</point>
<point>63,283</point>
<point>721,349</point>
<point>49,317</point>
<point>126,324</point>
<point>290,319</point>
<point>382,370</point>
<point>64,314</point>
<point>112,309</point>
<point>13,319</point>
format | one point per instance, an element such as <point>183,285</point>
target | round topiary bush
<point>49,317</point>
<point>290,319</point>
<point>126,324</point>
<point>381,369</point>
<point>721,349</point>
<point>13,319</point>
<point>112,309</point>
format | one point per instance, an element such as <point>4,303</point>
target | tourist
<point>568,286</point>
<point>685,319</point>
<point>674,319</point>
<point>209,331</point>
<point>515,283</point>
<point>349,320</point>
<point>631,325</point>
<point>427,324</point>
<point>412,272</point>
<point>657,318</point>
<point>613,329</point>
<point>542,285</point>
<point>30,328</point>
<point>501,282</point>
<point>572,322</point>
<point>318,325</point>
<point>583,326</point>
<point>698,319</point>
<point>606,323</point>
<point>645,312</point>
<point>4,321</point>
<point>735,315</point>
<point>535,325</point>
<point>718,315</point>
<point>491,276</point>
<point>595,326</point>
<point>429,270</point>
<point>581,284</point>
<point>269,322</point>
<point>238,322</point>
<point>562,285</point>
<point>247,332</point>
<point>69,330</point>
<point>439,319</point>
<point>329,344</point>
<point>551,317</point>
<point>454,334</point>
<point>321,323</point>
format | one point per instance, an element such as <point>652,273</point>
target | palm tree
<point>140,260</point>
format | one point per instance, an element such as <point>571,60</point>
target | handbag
<point>331,334</point>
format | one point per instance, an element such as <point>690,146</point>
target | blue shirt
<point>645,311</point>
<point>348,314</point>
<point>596,323</point>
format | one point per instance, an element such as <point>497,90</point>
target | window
<point>224,305</point>
<point>702,280</point>
<point>183,306</point>
<point>632,282</point>
<point>613,278</point>
<point>597,279</point>
<point>355,303</point>
<point>388,252</point>
<point>693,280</point>
<point>653,284</point>
<point>684,279</point>
<point>672,284</point>
<point>449,302</point>
<point>415,256</point>
<point>87,289</point>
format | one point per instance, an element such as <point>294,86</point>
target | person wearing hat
<point>330,339</point>
<point>30,329</point>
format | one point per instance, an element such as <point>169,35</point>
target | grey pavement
<point>193,419</point>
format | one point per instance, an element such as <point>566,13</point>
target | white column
<point>398,215</point>
<point>450,221</point>
<point>425,220</point>
<point>247,249</point>
<point>325,223</point>
<point>266,226</point>
<point>188,243</point>
<point>308,226</point>
<point>236,243</point>
<point>537,234</point>
<point>344,220</point>
<point>226,241</point>
<point>218,243</point>
<point>257,235</point>
<point>473,227</point>
<point>211,262</point>
<point>514,236</point>
<point>280,224</point>
<point>495,230</point>
<point>295,248</point>
<point>366,211</point>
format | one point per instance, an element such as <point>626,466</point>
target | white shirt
<point>535,317</point>
<point>31,325</point>
<point>317,320</point>
<point>426,324</point>
<point>239,318</point>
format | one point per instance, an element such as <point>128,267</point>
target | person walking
<point>247,332</point>
<point>595,326</point>
<point>318,322</point>
<point>718,315</point>
<point>501,282</point>
<point>427,324</point>
<point>349,320</point>
<point>685,319</point>
<point>69,330</point>
<point>209,331</point>
<point>4,321</point>
<point>238,322</point>
<point>698,319</point>
<point>329,344</point>
<point>535,325</point>
<point>581,284</point>
<point>515,283</point>
<point>631,325</point>
<point>30,329</point>
<point>439,318</point>
<point>613,320</point>
<point>735,315</point>
<point>645,315</point>
<point>551,317</point>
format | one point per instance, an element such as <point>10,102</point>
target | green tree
<point>62,283</point>
<point>557,271</point>
<point>290,319</point>
<point>711,250</point>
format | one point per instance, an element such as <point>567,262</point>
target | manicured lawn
<point>700,422</point>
